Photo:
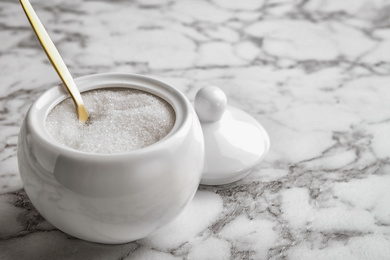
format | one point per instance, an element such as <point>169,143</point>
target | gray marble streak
<point>316,74</point>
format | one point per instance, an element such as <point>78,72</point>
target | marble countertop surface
<point>314,73</point>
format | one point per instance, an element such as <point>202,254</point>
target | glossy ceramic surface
<point>111,198</point>
<point>234,141</point>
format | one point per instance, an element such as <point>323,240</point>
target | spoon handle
<point>55,59</point>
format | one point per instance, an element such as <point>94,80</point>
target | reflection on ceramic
<point>113,198</point>
<point>234,141</point>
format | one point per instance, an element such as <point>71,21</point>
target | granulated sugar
<point>120,120</point>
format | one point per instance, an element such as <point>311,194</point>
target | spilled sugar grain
<point>120,120</point>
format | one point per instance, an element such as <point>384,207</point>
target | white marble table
<point>316,75</point>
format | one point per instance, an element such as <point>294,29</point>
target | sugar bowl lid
<point>234,141</point>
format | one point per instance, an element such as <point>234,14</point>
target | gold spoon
<point>55,59</point>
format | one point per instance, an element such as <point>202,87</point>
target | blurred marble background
<point>314,73</point>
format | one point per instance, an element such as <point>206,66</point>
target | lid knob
<point>210,104</point>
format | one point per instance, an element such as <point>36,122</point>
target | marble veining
<point>314,73</point>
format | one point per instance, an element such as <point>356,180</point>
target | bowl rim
<point>39,110</point>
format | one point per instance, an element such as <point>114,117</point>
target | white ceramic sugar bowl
<point>117,198</point>
<point>113,198</point>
